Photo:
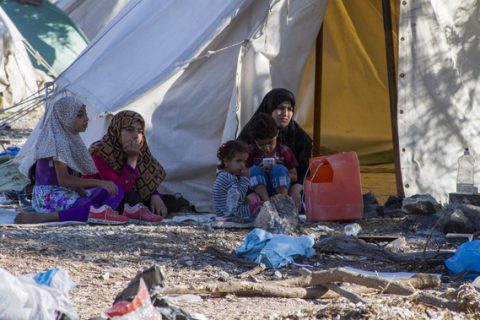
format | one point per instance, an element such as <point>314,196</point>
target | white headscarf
<point>58,139</point>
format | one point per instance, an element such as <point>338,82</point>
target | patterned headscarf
<point>58,139</point>
<point>109,148</point>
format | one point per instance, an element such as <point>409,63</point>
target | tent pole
<point>392,88</point>
<point>317,99</point>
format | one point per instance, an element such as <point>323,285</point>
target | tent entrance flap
<point>352,108</point>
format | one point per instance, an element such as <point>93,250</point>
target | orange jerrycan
<point>332,190</point>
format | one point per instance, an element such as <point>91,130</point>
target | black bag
<point>176,203</point>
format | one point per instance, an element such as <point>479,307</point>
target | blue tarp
<point>274,251</point>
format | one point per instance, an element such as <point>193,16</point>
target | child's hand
<point>81,192</point>
<point>111,187</point>
<point>265,168</point>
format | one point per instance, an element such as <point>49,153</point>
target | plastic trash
<point>140,308</point>
<point>466,173</point>
<point>274,251</point>
<point>476,283</point>
<point>397,245</point>
<point>10,151</point>
<point>38,297</point>
<point>352,229</point>
<point>233,196</point>
<point>466,259</point>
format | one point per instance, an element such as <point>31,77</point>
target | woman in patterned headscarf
<point>123,156</point>
<point>280,104</point>
<point>59,193</point>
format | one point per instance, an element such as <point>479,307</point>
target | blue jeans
<point>277,178</point>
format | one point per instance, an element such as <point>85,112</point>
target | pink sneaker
<point>105,215</point>
<point>141,213</point>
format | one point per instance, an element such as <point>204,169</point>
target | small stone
<point>223,276</point>
<point>278,275</point>
<point>189,263</point>
<point>105,276</point>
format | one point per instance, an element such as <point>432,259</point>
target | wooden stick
<point>227,256</point>
<point>429,299</point>
<point>357,247</point>
<point>344,275</point>
<point>243,288</point>
<point>256,270</point>
<point>344,293</point>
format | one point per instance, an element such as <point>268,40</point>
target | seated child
<point>268,179</point>
<point>233,172</point>
<point>59,194</point>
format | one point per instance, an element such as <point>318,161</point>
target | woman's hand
<point>158,206</point>
<point>111,187</point>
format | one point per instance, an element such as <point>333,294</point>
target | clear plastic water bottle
<point>233,196</point>
<point>352,229</point>
<point>466,173</point>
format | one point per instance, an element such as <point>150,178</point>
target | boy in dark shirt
<point>272,165</point>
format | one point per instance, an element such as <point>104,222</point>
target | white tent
<point>196,70</point>
<point>159,59</point>
<point>18,79</point>
<point>438,91</point>
<point>91,15</point>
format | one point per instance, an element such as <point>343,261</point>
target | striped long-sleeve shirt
<point>223,183</point>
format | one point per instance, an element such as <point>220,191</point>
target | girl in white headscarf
<point>59,194</point>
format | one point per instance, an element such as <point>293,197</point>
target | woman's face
<point>283,114</point>
<point>81,120</point>
<point>133,132</point>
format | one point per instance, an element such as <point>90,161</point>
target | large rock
<point>279,215</point>
<point>393,207</point>
<point>457,222</point>
<point>371,208</point>
<point>461,218</point>
<point>423,204</point>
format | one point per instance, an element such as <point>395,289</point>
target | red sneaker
<point>105,215</point>
<point>140,213</point>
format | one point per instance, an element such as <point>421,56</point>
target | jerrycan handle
<point>323,172</point>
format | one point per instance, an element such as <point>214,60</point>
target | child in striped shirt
<point>233,156</point>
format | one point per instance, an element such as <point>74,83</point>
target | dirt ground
<point>101,260</point>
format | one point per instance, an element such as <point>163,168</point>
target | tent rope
<point>211,53</point>
<point>38,57</point>
<point>26,105</point>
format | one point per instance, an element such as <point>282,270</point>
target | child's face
<point>283,114</point>
<point>237,164</point>
<point>132,133</point>
<point>267,146</point>
<point>81,120</point>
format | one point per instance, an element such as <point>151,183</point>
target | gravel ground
<point>101,260</point>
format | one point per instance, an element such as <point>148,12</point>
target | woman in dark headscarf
<point>280,104</point>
